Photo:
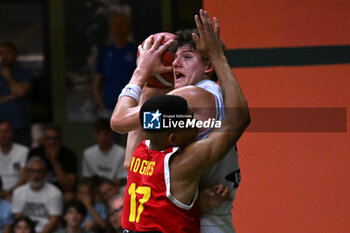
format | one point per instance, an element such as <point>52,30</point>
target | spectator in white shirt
<point>12,160</point>
<point>104,159</point>
<point>37,199</point>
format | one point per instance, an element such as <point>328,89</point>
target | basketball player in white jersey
<point>193,81</point>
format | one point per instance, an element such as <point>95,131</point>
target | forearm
<point>134,139</point>
<point>98,219</point>
<point>235,103</point>
<point>19,89</point>
<point>7,229</point>
<point>66,180</point>
<point>212,197</point>
<point>7,98</point>
<point>149,64</point>
<point>99,99</point>
<point>50,227</point>
<point>96,89</point>
<point>231,88</point>
<point>237,116</point>
<point>125,116</point>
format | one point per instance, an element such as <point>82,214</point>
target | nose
<point>176,62</point>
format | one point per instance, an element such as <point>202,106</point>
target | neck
<point>37,187</point>
<point>105,147</point>
<point>73,229</point>
<point>120,42</point>
<point>34,188</point>
<point>6,148</point>
<point>155,147</point>
<point>159,143</point>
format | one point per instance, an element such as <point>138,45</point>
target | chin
<point>179,85</point>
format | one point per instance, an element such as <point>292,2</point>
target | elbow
<point>244,119</point>
<point>117,125</point>
<point>126,165</point>
<point>19,93</point>
<point>246,115</point>
<point>247,119</point>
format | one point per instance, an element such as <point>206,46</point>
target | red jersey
<point>148,204</point>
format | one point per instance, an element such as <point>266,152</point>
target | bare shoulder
<point>196,97</point>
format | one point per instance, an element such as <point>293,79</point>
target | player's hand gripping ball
<point>164,80</point>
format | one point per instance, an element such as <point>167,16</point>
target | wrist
<point>131,90</point>
<point>139,77</point>
<point>89,205</point>
<point>8,78</point>
<point>218,59</point>
<point>55,164</point>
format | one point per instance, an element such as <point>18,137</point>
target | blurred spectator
<point>5,214</point>
<point>115,65</point>
<point>109,191</point>
<point>96,216</point>
<point>37,199</point>
<point>61,162</point>
<point>15,85</point>
<point>116,215</point>
<point>105,159</point>
<point>37,134</point>
<point>12,160</point>
<point>23,224</point>
<point>73,215</point>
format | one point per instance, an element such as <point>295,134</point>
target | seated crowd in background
<point>40,190</point>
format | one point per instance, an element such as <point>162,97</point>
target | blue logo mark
<point>151,120</point>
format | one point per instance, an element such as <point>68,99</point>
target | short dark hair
<point>9,45</point>
<point>183,38</point>
<point>102,124</point>
<point>88,182</point>
<point>77,205</point>
<point>167,105</point>
<point>35,159</point>
<point>104,180</point>
<point>26,219</point>
<point>2,121</point>
<point>52,127</point>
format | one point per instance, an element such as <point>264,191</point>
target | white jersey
<point>11,165</point>
<point>225,172</point>
<point>37,205</point>
<point>109,165</point>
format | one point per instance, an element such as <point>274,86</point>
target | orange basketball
<point>163,80</point>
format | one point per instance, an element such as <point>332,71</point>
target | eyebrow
<point>187,50</point>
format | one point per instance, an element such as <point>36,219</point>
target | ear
<point>172,139</point>
<point>209,69</point>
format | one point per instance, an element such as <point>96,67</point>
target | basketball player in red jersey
<point>192,74</point>
<point>152,202</point>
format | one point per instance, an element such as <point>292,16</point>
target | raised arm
<point>199,156</point>
<point>125,116</point>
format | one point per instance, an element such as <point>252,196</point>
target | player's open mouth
<point>178,75</point>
